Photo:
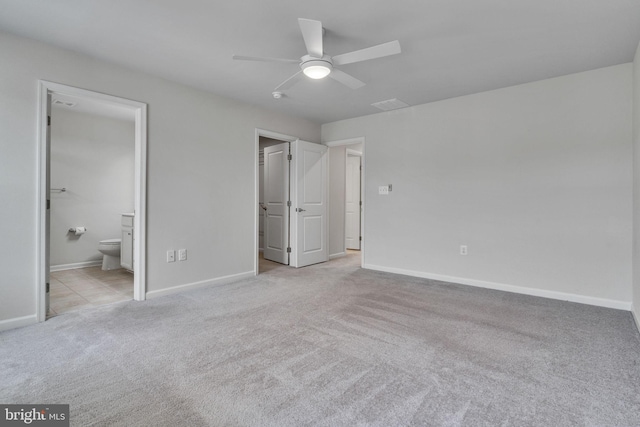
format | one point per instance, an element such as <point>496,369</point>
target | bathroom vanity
<point>126,251</point>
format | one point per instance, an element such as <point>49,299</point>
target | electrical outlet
<point>182,254</point>
<point>171,256</point>
<point>383,190</point>
<point>463,249</point>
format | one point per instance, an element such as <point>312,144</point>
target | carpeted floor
<point>331,345</point>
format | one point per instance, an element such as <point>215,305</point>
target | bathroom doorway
<point>263,265</point>
<point>92,199</point>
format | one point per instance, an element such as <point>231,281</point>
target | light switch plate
<point>182,254</point>
<point>171,256</point>
<point>383,190</point>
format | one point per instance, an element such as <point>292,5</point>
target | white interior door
<point>309,189</point>
<point>276,196</point>
<point>352,205</point>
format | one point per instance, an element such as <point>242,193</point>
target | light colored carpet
<point>331,345</point>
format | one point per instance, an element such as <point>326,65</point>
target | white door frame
<point>46,88</point>
<point>352,141</point>
<point>273,135</point>
<point>354,153</point>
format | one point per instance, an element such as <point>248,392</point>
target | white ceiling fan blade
<point>265,59</point>
<point>346,79</point>
<point>373,52</point>
<point>312,35</point>
<point>289,82</point>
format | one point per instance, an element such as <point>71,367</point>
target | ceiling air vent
<point>390,104</point>
<point>63,103</point>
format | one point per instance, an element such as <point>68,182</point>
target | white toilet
<point>111,250</point>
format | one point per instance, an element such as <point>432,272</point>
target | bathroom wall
<point>93,158</point>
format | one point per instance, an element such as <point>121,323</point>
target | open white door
<point>352,205</point>
<point>309,189</point>
<point>276,196</point>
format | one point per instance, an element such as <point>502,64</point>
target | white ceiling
<point>450,47</point>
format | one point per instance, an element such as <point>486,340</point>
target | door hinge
<point>48,120</point>
<point>360,202</point>
<point>289,157</point>
<point>289,203</point>
<point>360,238</point>
<point>288,250</point>
<point>48,204</point>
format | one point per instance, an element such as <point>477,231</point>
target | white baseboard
<point>582,299</point>
<point>18,322</point>
<point>338,255</point>
<point>201,284</point>
<point>85,264</point>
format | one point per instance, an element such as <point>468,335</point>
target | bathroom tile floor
<point>81,288</point>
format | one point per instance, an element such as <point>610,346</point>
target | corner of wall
<point>635,279</point>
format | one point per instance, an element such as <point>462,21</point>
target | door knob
<point>300,210</point>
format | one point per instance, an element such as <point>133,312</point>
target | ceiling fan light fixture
<point>317,69</point>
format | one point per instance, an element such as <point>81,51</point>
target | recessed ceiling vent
<point>63,103</point>
<point>390,104</point>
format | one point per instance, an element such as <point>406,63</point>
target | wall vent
<point>390,104</point>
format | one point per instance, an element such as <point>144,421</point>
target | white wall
<point>201,170</point>
<point>636,187</point>
<point>535,179</point>
<point>93,158</point>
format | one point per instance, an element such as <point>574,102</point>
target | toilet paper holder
<point>78,231</point>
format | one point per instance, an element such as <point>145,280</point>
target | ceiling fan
<point>317,65</point>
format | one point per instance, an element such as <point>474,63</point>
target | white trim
<point>338,255</point>
<point>353,153</point>
<point>41,203</point>
<point>62,267</point>
<point>139,252</point>
<point>273,135</point>
<point>349,141</point>
<point>635,317</point>
<point>140,206</point>
<point>563,296</point>
<point>18,322</point>
<point>201,284</point>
